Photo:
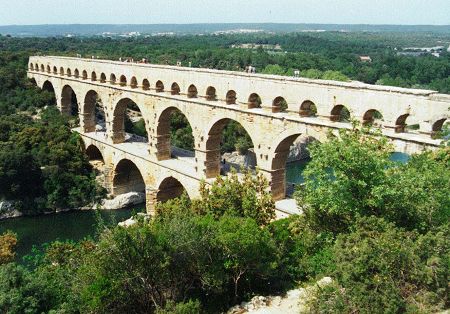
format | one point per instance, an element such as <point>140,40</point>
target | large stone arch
<point>127,177</point>
<point>94,153</point>
<point>69,101</point>
<point>49,87</point>
<point>169,188</point>
<point>163,141</point>
<point>213,145</point>
<point>88,119</point>
<point>118,119</point>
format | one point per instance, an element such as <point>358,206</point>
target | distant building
<point>365,59</point>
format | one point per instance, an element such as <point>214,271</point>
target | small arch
<point>31,66</point>
<point>230,97</point>
<point>169,188</point>
<point>175,89</point>
<point>372,117</point>
<point>112,79</point>
<point>94,154</point>
<point>76,73</point>
<point>192,91</point>
<point>61,71</point>
<point>254,101</point>
<point>308,109</point>
<point>159,87</point>
<point>127,178</point>
<point>102,78</point>
<point>436,128</point>
<point>123,80</point>
<point>145,84</point>
<point>133,82</point>
<point>211,93</point>
<point>340,113</point>
<point>84,75</point>
<point>55,70</point>
<point>42,68</point>
<point>93,76</point>
<point>36,67</point>
<point>279,104</point>
<point>48,69</point>
<point>400,123</point>
<point>69,72</point>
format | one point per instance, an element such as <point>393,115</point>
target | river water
<point>76,225</point>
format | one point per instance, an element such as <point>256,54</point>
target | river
<point>76,225</point>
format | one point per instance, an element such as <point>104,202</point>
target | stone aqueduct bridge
<point>210,99</point>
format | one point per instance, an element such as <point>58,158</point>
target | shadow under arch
<point>94,154</point>
<point>48,87</point>
<point>169,188</point>
<point>69,101</point>
<point>127,178</point>
<point>163,132</point>
<point>214,143</point>
<point>118,122</point>
<point>92,112</point>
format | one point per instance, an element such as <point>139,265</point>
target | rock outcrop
<point>123,200</point>
<point>293,302</point>
<point>8,210</point>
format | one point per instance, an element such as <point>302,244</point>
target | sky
<point>20,12</point>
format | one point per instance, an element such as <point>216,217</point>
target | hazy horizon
<point>145,12</point>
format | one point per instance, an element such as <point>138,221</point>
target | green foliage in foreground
<point>352,176</point>
<point>384,269</point>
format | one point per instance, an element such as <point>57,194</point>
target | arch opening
<point>112,79</point>
<point>69,72</point>
<point>437,128</point>
<point>36,67</point>
<point>127,178</point>
<point>229,146</point>
<point>69,102</point>
<point>174,135</point>
<point>230,97</point>
<point>76,73</point>
<point>128,123</point>
<point>192,91</point>
<point>308,109</point>
<point>254,101</point>
<point>55,70</point>
<point>42,68</point>
<point>175,89</point>
<point>95,158</point>
<point>290,158</point>
<point>93,76</point>
<point>211,93</point>
<point>169,188</point>
<point>159,86</point>
<point>400,123</point>
<point>93,117</point>
<point>102,78</point>
<point>133,82</point>
<point>145,84</point>
<point>123,80</point>
<point>84,75</point>
<point>279,104</point>
<point>61,71</point>
<point>31,66</point>
<point>372,117</point>
<point>340,113</point>
<point>48,69</point>
<point>48,88</point>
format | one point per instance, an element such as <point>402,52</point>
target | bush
<point>8,242</point>
<point>381,268</point>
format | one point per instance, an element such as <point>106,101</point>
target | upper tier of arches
<point>307,107</point>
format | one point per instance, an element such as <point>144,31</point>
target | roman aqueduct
<point>274,110</point>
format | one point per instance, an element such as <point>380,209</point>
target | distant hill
<point>181,29</point>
